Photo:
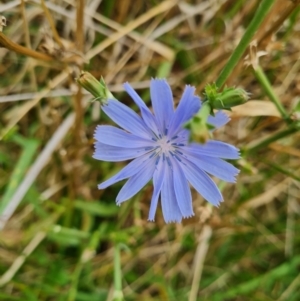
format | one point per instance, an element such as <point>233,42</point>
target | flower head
<point>160,147</point>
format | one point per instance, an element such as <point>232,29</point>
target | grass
<point>62,238</point>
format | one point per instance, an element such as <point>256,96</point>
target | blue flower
<point>160,147</point>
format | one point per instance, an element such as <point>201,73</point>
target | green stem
<point>282,170</point>
<point>261,76</point>
<point>259,16</point>
<point>275,137</point>
<point>85,257</point>
<point>118,294</point>
<point>75,279</point>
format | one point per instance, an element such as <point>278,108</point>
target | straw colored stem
<point>7,43</point>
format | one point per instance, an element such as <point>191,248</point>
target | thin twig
<point>7,43</point>
<point>28,44</point>
<point>52,24</point>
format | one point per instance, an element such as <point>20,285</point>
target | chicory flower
<point>159,145</point>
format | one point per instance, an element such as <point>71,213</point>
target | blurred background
<point>63,239</point>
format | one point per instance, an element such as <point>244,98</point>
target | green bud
<point>95,87</point>
<point>211,92</point>
<point>228,98</point>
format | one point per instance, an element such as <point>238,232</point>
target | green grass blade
<point>29,149</point>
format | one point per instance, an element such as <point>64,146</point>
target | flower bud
<point>95,87</point>
<point>228,98</point>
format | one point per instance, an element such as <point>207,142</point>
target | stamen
<point>157,160</point>
<point>153,154</point>
<point>148,148</point>
<point>169,161</point>
<point>177,158</point>
<point>178,152</point>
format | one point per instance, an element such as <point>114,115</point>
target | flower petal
<point>150,121</point>
<point>202,183</point>
<point>182,191</point>
<point>128,171</point>
<point>146,113</point>
<point>214,148</point>
<point>115,154</point>
<point>216,167</point>
<point>218,120</point>
<point>158,179</point>
<point>162,102</point>
<point>169,204</point>
<point>111,135</point>
<point>136,98</point>
<point>182,137</point>
<point>188,106</point>
<point>136,182</point>
<point>126,118</point>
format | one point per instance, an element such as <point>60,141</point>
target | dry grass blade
<point>264,198</point>
<point>164,6</point>
<point>255,108</point>
<point>35,169</point>
<point>25,108</point>
<point>199,259</point>
<point>153,45</point>
<point>10,273</point>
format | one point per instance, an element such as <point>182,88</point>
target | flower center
<point>166,147</point>
<point>164,144</point>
